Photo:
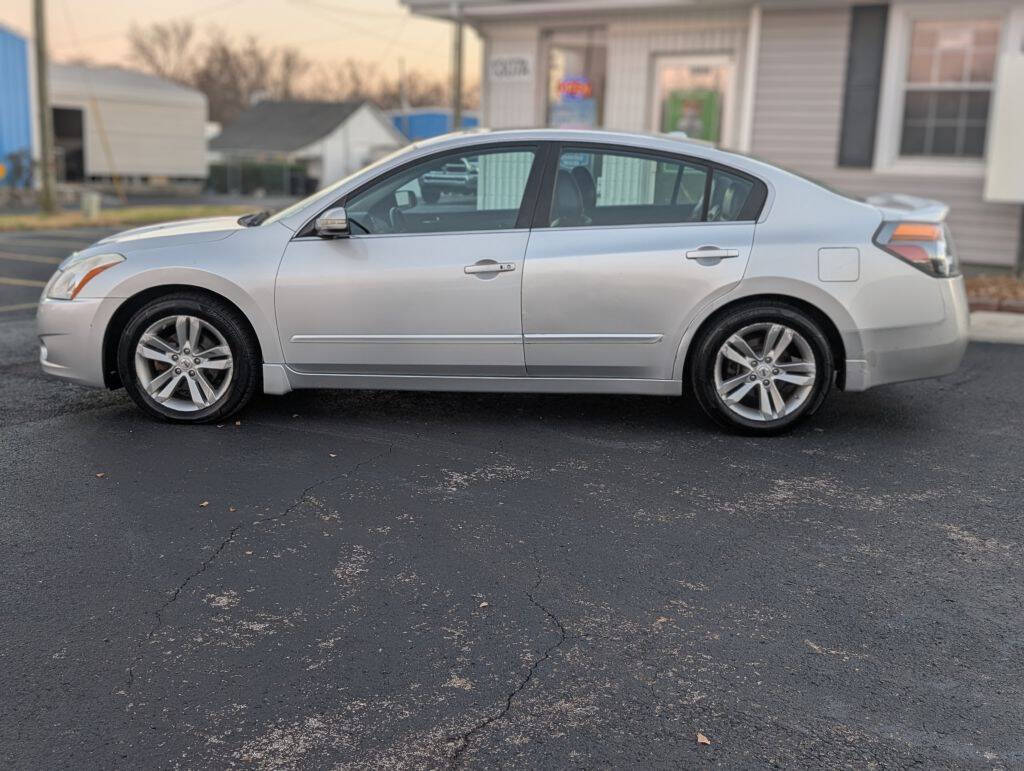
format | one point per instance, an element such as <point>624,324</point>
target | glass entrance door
<point>693,94</point>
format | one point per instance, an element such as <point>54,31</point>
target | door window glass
<point>729,197</point>
<point>577,60</point>
<point>613,188</point>
<point>478,190</point>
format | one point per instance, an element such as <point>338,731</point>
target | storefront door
<point>694,94</point>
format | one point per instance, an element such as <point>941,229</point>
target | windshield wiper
<point>253,219</point>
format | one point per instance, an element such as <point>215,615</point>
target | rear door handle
<point>711,253</point>
<point>490,267</point>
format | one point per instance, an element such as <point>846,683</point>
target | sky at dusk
<point>376,31</point>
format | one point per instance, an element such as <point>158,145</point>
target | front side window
<point>595,188</point>
<point>950,74</point>
<point>465,191</point>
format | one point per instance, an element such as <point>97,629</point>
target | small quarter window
<point>730,195</point>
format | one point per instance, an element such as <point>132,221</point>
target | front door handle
<point>711,253</point>
<point>490,267</point>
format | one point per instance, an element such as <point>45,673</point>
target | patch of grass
<point>127,216</point>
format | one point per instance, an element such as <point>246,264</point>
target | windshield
<point>328,191</point>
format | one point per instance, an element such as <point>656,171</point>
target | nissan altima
<point>576,262</point>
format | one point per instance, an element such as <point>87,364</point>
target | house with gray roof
<point>330,139</point>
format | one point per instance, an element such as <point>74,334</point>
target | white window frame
<point>894,80</point>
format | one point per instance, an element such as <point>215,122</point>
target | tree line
<point>235,73</point>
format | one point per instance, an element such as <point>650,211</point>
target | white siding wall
<point>363,138</point>
<point>144,138</point>
<point>633,44</point>
<point>797,116</point>
<point>515,104</point>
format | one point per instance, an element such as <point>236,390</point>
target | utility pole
<point>46,198</point>
<point>403,97</point>
<point>457,67</point>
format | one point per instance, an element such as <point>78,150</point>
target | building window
<point>576,75</point>
<point>950,75</point>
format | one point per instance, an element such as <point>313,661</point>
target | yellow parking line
<point>20,281</point>
<point>29,258</point>
<point>18,307</point>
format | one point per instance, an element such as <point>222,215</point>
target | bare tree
<point>165,49</point>
<point>232,74</point>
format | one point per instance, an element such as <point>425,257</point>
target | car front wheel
<point>761,369</point>
<point>189,359</point>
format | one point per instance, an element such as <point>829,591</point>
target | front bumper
<point>71,338</point>
<point>893,355</point>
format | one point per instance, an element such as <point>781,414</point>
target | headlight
<point>75,272</point>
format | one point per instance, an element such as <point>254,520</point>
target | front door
<point>428,282</point>
<point>633,246</point>
<point>693,94</point>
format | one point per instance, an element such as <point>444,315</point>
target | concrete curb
<point>997,327</point>
<point>995,304</point>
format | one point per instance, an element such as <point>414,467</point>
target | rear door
<point>627,245</point>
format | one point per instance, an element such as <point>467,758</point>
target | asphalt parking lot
<point>410,580</point>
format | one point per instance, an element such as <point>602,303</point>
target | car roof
<point>669,143</point>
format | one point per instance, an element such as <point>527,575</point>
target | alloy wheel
<point>765,371</point>
<point>183,363</point>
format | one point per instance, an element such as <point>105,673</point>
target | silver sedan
<point>575,262</point>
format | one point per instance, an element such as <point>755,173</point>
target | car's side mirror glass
<point>332,223</point>
<point>405,199</point>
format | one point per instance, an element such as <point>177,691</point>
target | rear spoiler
<point>900,206</point>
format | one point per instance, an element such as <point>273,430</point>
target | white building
<point>112,122</point>
<point>330,139</point>
<point>915,96</point>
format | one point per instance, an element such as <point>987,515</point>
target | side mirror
<point>405,199</point>
<point>333,222</point>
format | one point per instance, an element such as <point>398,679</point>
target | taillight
<point>925,245</point>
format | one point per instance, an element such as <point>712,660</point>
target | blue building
<point>425,122</point>
<point>15,110</point>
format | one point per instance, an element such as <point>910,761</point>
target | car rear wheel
<point>188,359</point>
<point>761,369</point>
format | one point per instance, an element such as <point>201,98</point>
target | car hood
<point>174,233</point>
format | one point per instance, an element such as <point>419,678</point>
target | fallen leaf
<point>295,415</point>
<point>101,474</point>
<point>232,508</point>
<point>661,619</point>
<point>248,553</point>
<point>204,504</point>
<point>484,604</point>
<point>333,455</point>
<point>702,739</point>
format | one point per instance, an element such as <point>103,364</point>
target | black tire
<point>701,372</point>
<point>246,374</point>
<point>430,194</point>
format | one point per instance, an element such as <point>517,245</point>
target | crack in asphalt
<point>303,497</point>
<point>462,740</point>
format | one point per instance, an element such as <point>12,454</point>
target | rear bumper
<point>913,352</point>
<point>71,339</point>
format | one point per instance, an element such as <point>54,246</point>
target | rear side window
<point>619,188</point>
<point>594,187</point>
